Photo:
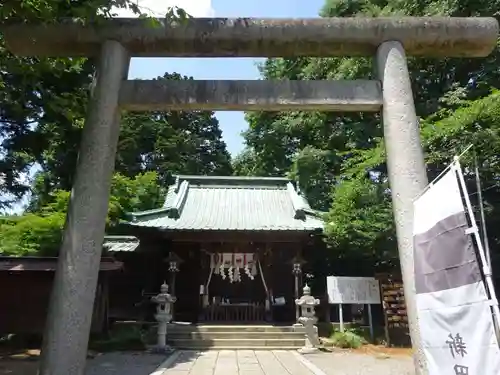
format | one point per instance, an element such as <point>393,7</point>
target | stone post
<point>297,271</point>
<point>64,349</point>
<point>164,309</point>
<point>307,304</point>
<point>406,167</point>
<point>173,268</point>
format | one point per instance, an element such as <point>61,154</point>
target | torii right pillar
<point>406,167</point>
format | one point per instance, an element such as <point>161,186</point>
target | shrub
<point>120,339</point>
<point>348,339</point>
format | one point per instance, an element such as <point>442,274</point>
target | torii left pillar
<point>70,312</point>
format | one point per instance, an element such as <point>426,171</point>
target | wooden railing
<point>239,312</point>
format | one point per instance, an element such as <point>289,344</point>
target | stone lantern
<point>163,315</point>
<point>307,304</point>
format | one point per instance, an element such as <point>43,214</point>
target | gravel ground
<point>121,363</point>
<point>118,363</point>
<point>347,363</point>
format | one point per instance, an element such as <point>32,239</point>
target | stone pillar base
<point>167,349</point>
<point>306,350</point>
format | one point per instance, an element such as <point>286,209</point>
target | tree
<point>140,193</point>
<point>31,234</point>
<point>38,91</point>
<point>339,158</point>
<point>476,123</point>
<point>163,142</point>
<point>167,142</point>
<point>43,100</point>
<point>39,233</point>
<point>42,111</point>
<point>361,219</point>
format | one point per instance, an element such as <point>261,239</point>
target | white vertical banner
<point>454,312</point>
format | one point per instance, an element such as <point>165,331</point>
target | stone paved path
<point>361,364</point>
<point>237,362</point>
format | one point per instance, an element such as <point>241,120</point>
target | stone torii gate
<point>114,41</point>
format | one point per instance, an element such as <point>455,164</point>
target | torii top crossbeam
<point>249,37</point>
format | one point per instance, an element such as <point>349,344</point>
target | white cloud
<point>158,8</point>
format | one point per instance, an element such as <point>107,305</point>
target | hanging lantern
<point>297,269</point>
<point>297,262</point>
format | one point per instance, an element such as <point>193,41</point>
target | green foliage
<point>244,164</point>
<point>172,142</point>
<point>359,223</point>
<point>151,148</point>
<point>31,234</point>
<point>120,338</point>
<point>476,123</point>
<point>349,339</point>
<point>37,94</point>
<point>141,193</point>
<point>43,100</point>
<point>57,203</point>
<point>39,233</point>
<point>332,155</point>
<point>162,142</point>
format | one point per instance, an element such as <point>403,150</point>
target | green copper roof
<point>231,203</point>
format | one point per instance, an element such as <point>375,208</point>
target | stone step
<point>231,337</point>
<point>204,335</point>
<point>173,327</point>
<point>237,343</point>
<point>238,347</point>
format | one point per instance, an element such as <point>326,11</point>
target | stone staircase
<point>256,337</point>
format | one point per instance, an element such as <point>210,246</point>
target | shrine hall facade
<point>231,250</point>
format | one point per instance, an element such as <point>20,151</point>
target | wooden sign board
<point>394,304</point>
<point>353,290</point>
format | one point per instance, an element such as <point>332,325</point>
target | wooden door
<point>187,285</point>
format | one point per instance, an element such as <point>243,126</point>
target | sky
<point>231,123</point>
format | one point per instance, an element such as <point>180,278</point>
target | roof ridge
<point>243,178</point>
<point>241,187</point>
<point>175,210</point>
<point>299,204</point>
<point>230,180</point>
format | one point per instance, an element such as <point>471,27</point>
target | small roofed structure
<point>226,246</point>
<point>26,284</point>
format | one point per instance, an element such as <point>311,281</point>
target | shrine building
<point>231,250</point>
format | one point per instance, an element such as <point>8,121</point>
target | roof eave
<point>277,230</point>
